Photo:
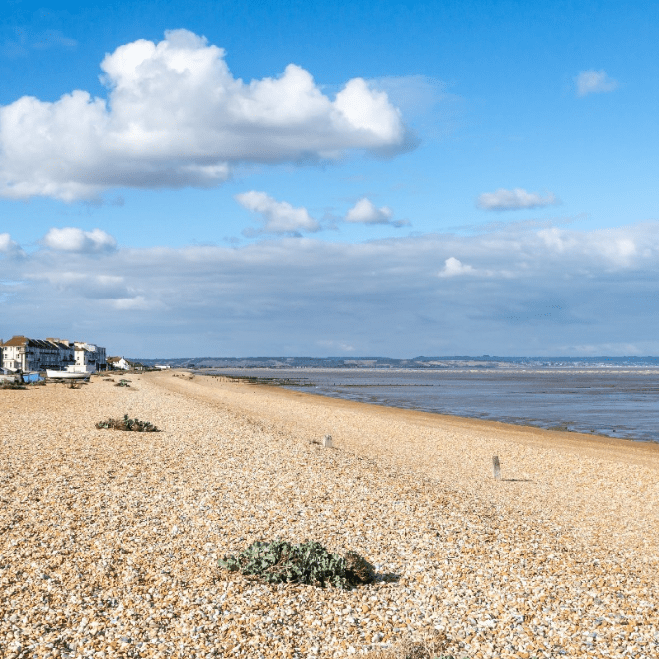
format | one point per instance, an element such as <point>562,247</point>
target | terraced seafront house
<point>118,363</point>
<point>24,354</point>
<point>89,358</point>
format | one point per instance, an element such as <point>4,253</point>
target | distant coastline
<point>421,362</point>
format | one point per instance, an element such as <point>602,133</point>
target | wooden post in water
<point>496,467</point>
<point>327,441</point>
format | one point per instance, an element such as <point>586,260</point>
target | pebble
<point>128,527</point>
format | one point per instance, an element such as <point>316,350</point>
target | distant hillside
<point>484,361</point>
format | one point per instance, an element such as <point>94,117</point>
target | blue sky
<point>324,179</point>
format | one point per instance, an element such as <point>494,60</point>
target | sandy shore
<point>109,541</point>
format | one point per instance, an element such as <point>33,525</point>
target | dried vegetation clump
<point>134,425</point>
<point>432,646</point>
<point>12,385</point>
<point>307,563</point>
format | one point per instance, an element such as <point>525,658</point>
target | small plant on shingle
<point>432,645</point>
<point>307,563</point>
<point>134,425</point>
<point>12,385</point>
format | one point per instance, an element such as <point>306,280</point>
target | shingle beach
<point>109,540</point>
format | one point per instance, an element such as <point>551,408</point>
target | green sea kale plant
<point>134,425</point>
<point>307,563</point>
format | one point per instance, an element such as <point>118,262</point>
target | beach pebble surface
<point>110,540</point>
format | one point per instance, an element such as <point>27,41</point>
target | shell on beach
<point>110,541</point>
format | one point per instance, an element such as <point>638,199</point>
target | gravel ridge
<point>109,540</point>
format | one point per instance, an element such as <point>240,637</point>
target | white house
<point>118,363</point>
<point>21,353</point>
<point>89,358</point>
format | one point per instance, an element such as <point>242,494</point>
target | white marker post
<point>496,467</point>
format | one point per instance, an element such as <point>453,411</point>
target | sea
<point>615,397</point>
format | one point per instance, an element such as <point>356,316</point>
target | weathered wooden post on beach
<point>496,467</point>
<point>327,441</point>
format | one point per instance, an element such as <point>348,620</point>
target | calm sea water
<point>620,402</point>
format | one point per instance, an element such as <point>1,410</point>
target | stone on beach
<point>109,541</point>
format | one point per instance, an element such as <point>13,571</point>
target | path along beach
<point>109,540</point>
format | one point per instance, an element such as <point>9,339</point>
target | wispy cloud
<point>175,116</point>
<point>335,346</point>
<point>526,291</point>
<point>83,283</point>
<point>53,38</point>
<point>279,217</point>
<point>25,41</point>
<point>425,102</point>
<point>594,82</point>
<point>518,198</point>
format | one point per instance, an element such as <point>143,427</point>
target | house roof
<point>16,341</point>
<point>21,341</point>
<point>41,343</point>
<point>87,347</point>
<point>59,342</point>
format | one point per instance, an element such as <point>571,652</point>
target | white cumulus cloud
<point>518,198</point>
<point>9,246</point>
<point>175,116</point>
<point>73,239</point>
<point>454,267</point>
<point>278,216</point>
<point>594,82</point>
<point>365,211</point>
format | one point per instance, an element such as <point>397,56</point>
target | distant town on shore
<point>22,354</point>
